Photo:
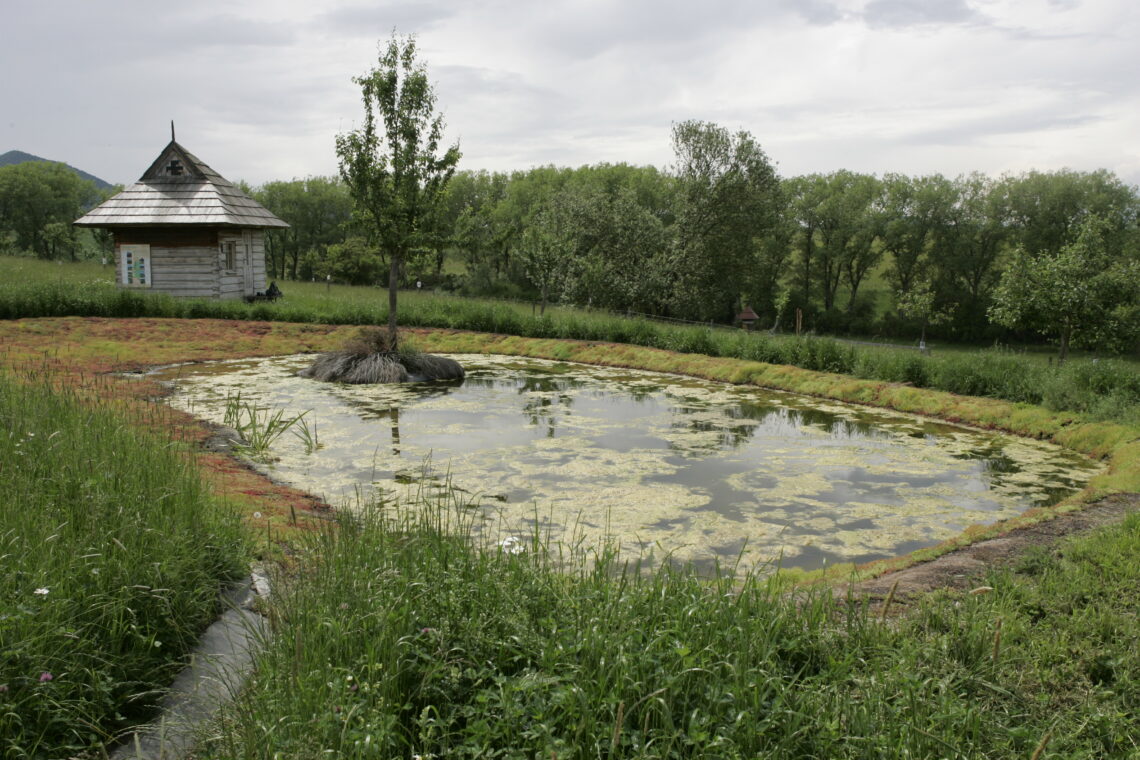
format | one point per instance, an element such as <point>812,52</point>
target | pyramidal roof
<point>178,190</point>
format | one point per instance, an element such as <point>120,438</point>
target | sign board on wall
<point>135,258</point>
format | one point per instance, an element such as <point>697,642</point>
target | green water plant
<point>306,433</point>
<point>258,427</point>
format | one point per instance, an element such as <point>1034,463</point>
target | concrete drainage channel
<point>218,667</point>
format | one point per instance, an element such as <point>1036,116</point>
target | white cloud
<point>259,90</point>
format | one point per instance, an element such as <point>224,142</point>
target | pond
<point>666,465</point>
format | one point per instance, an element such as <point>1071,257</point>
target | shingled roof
<point>180,190</point>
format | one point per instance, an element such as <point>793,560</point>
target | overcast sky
<point>258,90</point>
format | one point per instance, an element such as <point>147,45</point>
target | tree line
<point>38,202</point>
<point>1050,254</point>
<point>966,258</point>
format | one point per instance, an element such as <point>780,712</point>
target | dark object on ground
<point>382,367</point>
<point>272,293</point>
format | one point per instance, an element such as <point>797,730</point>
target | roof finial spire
<point>172,130</point>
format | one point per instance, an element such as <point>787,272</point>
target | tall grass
<point>405,638</point>
<point>1107,389</point>
<point>112,556</point>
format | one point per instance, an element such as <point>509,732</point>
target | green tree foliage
<point>549,243</point>
<point>728,200</point>
<point>1047,209</point>
<point>353,261</point>
<point>849,220</point>
<point>612,247</point>
<point>394,165</point>
<point>805,197</point>
<point>838,224</point>
<point>38,202</point>
<point>319,213</point>
<point>915,210</point>
<point>920,305</point>
<point>517,200</point>
<point>1078,295</point>
<point>965,251</point>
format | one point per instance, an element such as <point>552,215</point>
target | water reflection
<point>697,471</point>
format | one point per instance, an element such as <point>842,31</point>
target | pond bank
<point>80,346</point>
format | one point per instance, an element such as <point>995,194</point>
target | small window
<point>230,250</point>
<point>174,168</point>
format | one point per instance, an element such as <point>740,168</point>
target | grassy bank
<point>1105,390</point>
<point>112,556</point>
<point>403,640</point>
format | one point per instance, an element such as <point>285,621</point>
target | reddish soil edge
<point>962,569</point>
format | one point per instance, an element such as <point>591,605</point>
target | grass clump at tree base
<point>112,557</point>
<point>373,356</point>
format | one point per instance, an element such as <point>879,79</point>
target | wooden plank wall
<point>258,253</point>
<point>231,281</point>
<point>184,271</point>
<point>191,264</point>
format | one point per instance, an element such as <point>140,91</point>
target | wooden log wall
<point>192,263</point>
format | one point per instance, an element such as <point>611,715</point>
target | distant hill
<point>19,157</point>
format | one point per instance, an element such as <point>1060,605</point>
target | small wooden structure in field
<point>747,318</point>
<point>185,230</point>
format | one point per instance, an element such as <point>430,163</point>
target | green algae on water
<point>668,465</point>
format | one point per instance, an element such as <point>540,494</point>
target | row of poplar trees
<point>1048,253</point>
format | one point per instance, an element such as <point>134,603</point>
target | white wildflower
<point>512,545</point>
<point>41,592</point>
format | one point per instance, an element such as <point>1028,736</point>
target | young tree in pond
<point>1080,294</point>
<point>394,165</point>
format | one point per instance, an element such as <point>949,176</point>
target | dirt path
<point>962,568</point>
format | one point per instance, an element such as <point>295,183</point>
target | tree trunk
<point>393,282</point>
<point>1066,332</point>
<point>851,299</point>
